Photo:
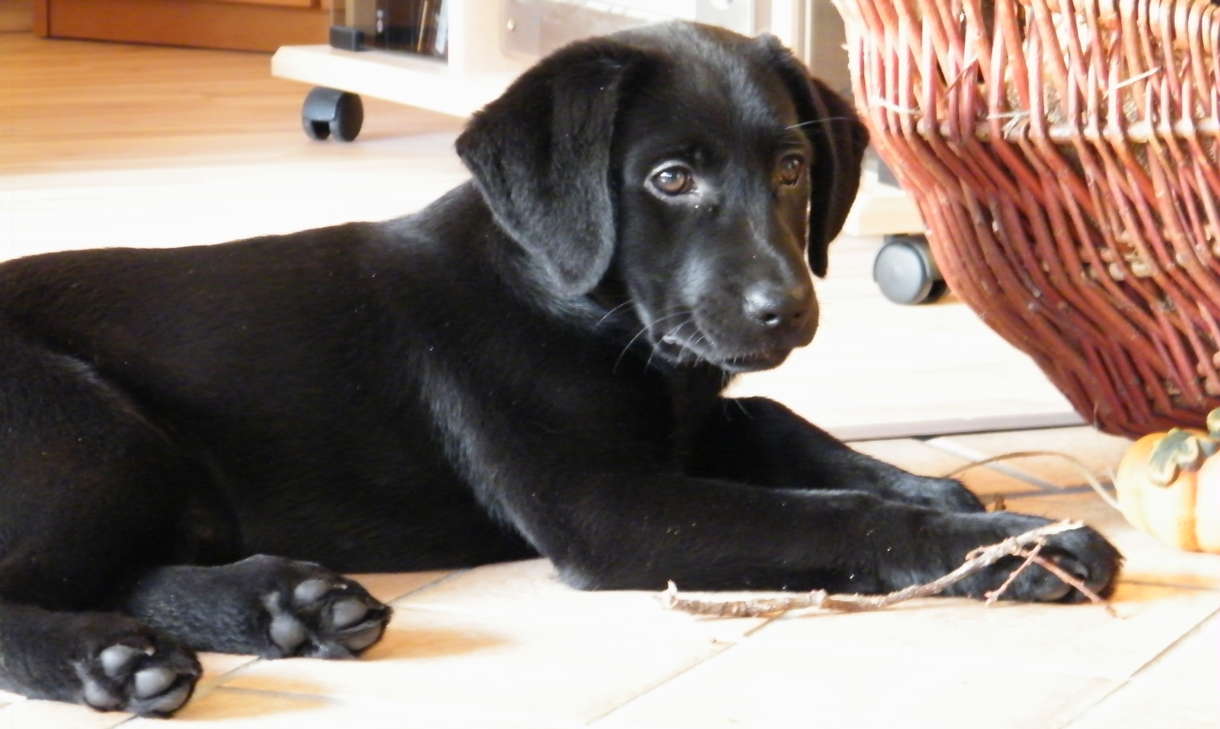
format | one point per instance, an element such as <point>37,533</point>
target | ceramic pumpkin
<point>1169,486</point>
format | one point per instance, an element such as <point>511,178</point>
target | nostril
<point>775,306</point>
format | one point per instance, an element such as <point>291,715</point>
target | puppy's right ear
<point>540,155</point>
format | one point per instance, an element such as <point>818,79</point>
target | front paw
<point>1082,553</point>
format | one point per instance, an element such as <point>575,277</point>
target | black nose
<point>778,307</point>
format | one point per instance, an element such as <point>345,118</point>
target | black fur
<point>530,365</point>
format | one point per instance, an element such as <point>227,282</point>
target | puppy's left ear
<point>540,155</point>
<point>839,140</point>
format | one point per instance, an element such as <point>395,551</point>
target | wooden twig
<point>1030,555</point>
<point>1069,579</point>
<point>1081,467</point>
<point>977,560</point>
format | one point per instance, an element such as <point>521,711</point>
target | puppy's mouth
<point>754,361</point>
<point>680,350</point>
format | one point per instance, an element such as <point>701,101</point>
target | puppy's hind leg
<point>90,491</point>
<point>268,606</point>
<point>101,659</point>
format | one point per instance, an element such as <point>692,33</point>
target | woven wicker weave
<point>1063,154</point>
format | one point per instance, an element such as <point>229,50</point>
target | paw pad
<point>138,678</point>
<point>324,618</point>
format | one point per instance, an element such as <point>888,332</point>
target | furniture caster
<point>905,271</point>
<point>330,112</point>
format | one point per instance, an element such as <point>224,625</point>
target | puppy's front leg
<point>759,441</point>
<point>636,531</point>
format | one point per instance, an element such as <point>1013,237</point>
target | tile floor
<point>509,646</point>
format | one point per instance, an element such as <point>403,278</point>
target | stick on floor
<point>1023,545</point>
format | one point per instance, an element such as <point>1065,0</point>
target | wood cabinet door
<point>247,25</point>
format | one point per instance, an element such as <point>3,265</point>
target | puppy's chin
<point>754,361</point>
<point>680,352</point>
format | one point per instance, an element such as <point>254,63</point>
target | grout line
<point>764,623</point>
<point>427,585</point>
<point>1173,585</point>
<point>1083,489</point>
<point>973,455</point>
<point>999,431</point>
<point>217,682</point>
<point>281,693</point>
<point>659,684</point>
<point>1196,628</point>
<point>728,646</point>
<point>367,702</point>
<point>133,717</point>
<point>219,678</point>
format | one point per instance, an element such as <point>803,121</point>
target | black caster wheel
<point>330,112</point>
<point>905,271</point>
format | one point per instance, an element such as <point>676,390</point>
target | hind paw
<point>140,674</point>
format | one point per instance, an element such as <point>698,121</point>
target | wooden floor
<point>109,144</point>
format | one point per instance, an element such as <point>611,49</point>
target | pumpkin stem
<point>1177,450</point>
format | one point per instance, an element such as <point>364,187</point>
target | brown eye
<point>674,180</point>
<point>791,168</point>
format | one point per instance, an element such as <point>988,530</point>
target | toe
<point>142,673</point>
<point>99,697</point>
<point>287,632</point>
<point>310,591</point>
<point>348,611</point>
<point>364,638</point>
<point>314,612</point>
<point>152,681</point>
<point>168,702</point>
<point>117,659</point>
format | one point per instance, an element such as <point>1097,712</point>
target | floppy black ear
<point>540,155</point>
<point>839,140</point>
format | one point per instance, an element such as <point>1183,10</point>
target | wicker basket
<point>1063,154</point>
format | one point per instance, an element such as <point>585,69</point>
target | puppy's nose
<point>778,307</point>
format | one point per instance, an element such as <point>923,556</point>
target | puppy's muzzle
<point>785,317</point>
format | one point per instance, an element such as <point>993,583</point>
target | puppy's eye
<point>791,169</point>
<point>674,180</point>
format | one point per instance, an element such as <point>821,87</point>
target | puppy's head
<point>695,172</point>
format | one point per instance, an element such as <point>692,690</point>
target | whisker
<point>639,334</point>
<point>617,362</point>
<point>648,361</point>
<point>684,312</point>
<point>823,120</point>
<point>672,332</point>
<point>701,339</point>
<point>610,313</point>
<point>675,330</point>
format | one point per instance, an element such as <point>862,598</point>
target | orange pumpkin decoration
<point>1169,486</point>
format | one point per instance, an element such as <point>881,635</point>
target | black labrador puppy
<point>531,365</point>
